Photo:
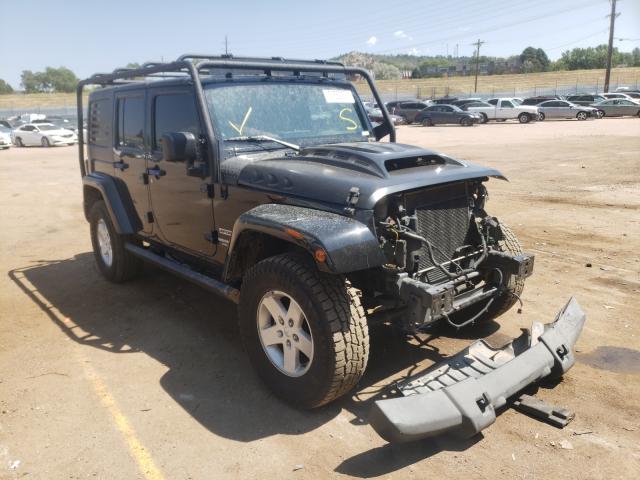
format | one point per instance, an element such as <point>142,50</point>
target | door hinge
<point>212,237</point>
<point>150,217</point>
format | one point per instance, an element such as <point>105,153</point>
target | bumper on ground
<point>460,397</point>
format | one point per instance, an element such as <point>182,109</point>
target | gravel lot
<point>149,380</point>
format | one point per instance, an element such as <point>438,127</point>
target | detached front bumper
<point>460,397</point>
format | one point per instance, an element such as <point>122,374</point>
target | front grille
<point>443,219</point>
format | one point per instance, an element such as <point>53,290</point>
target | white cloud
<point>372,41</point>
<point>401,34</point>
<point>413,51</point>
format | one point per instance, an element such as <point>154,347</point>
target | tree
<point>5,88</point>
<point>534,60</point>
<point>51,80</point>
<point>385,71</point>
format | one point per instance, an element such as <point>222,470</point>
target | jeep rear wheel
<point>305,331</point>
<point>113,260</point>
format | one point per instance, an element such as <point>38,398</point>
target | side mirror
<point>178,147</point>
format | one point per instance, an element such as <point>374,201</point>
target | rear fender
<point>348,243</point>
<point>116,197</point>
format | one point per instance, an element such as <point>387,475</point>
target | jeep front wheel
<point>305,331</point>
<point>113,260</point>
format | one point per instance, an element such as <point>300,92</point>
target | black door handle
<point>156,172</point>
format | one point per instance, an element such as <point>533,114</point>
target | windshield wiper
<point>264,138</point>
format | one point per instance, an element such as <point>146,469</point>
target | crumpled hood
<point>328,173</point>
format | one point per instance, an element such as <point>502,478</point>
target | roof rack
<point>191,65</point>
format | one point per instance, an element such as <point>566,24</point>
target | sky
<point>97,36</point>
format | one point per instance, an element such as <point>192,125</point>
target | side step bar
<point>181,271</point>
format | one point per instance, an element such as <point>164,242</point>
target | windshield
<point>300,113</point>
<point>4,129</point>
<point>45,126</point>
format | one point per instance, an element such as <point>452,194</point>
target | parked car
<point>565,109</point>
<point>5,123</point>
<point>539,99</point>
<point>446,114</point>
<point>375,115</point>
<point>43,134</point>
<point>505,109</point>
<point>5,137</point>
<point>462,103</point>
<point>617,107</point>
<point>616,95</point>
<point>445,100</point>
<point>408,110</point>
<point>585,99</point>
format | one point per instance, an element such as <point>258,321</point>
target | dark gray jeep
<point>263,180</point>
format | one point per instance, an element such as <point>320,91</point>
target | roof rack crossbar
<point>185,66</point>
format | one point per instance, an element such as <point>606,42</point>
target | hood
<point>328,173</point>
<point>59,131</point>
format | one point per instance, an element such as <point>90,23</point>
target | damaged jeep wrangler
<point>263,180</point>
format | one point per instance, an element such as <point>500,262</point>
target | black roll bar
<point>186,65</point>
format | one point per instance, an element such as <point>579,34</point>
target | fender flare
<point>117,199</point>
<point>349,244</point>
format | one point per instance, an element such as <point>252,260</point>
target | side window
<point>493,101</point>
<point>507,104</point>
<point>174,113</point>
<point>100,122</point>
<point>131,122</point>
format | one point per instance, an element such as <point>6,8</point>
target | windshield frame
<point>250,147</point>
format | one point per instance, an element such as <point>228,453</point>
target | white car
<point>43,134</point>
<point>5,137</point>
<point>504,109</point>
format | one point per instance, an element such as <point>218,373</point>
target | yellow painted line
<point>140,454</point>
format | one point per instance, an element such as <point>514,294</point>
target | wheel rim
<point>582,116</point>
<point>104,242</point>
<point>285,334</point>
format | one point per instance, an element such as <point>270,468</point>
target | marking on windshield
<point>353,125</point>
<point>244,122</point>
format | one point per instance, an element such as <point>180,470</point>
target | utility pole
<point>612,24</point>
<point>226,46</point>
<point>477,45</point>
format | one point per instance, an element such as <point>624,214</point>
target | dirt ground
<point>149,379</point>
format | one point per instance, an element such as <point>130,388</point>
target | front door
<point>182,210</point>
<point>129,152</point>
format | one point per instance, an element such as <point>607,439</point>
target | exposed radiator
<point>443,219</point>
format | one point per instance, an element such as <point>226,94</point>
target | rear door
<point>129,151</point>
<point>182,210</point>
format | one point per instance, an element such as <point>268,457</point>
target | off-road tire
<point>509,244</point>
<point>124,265</point>
<point>335,317</point>
<point>524,118</point>
<point>503,302</point>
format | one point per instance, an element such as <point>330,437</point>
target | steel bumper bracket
<point>461,395</point>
